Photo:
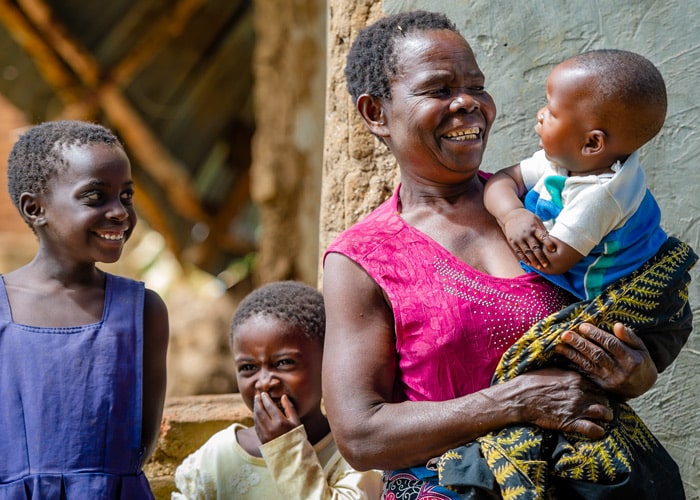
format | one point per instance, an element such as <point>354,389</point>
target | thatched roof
<point>173,79</point>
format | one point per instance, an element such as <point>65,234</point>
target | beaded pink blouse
<point>452,322</point>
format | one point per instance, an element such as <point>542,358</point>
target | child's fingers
<point>259,406</point>
<point>547,241</point>
<point>289,410</point>
<point>523,253</point>
<point>538,255</point>
<point>542,235</point>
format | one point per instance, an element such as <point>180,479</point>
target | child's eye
<point>93,196</point>
<point>127,197</point>
<point>247,368</point>
<point>286,363</point>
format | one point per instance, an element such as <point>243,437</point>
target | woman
<point>424,295</point>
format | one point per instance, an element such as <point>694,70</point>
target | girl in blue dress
<point>82,352</point>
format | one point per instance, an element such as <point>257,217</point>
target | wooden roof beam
<point>62,81</point>
<point>164,29</point>
<point>152,155</point>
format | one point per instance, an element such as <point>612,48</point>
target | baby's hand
<point>527,236</point>
<point>273,420</point>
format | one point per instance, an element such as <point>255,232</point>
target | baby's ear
<point>595,142</point>
<point>31,209</point>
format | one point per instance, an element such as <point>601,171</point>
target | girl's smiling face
<point>273,357</point>
<point>88,212</point>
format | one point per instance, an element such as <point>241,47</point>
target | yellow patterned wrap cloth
<point>528,463</point>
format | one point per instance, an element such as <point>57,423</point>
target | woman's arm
<point>156,332</point>
<point>359,376</point>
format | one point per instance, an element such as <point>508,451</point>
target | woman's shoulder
<point>381,223</point>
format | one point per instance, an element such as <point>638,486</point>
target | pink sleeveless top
<point>452,323</point>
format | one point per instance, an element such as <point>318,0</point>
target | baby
<point>579,211</point>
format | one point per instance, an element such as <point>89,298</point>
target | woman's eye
<point>441,91</point>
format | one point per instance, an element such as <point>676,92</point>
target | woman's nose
<point>464,101</point>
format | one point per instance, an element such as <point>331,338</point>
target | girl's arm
<point>155,346</point>
<point>298,472</point>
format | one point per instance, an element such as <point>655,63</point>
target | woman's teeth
<point>464,135</point>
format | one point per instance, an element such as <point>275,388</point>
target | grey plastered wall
<point>516,45</point>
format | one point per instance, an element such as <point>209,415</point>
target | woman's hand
<point>619,362</point>
<point>562,400</point>
<point>272,421</point>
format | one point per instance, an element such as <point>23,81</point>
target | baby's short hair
<point>37,154</point>
<point>292,302</point>
<point>630,79</point>
<point>372,61</point>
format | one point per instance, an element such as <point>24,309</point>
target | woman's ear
<point>595,143</point>
<point>31,209</point>
<point>372,111</point>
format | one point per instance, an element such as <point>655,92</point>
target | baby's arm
<point>563,258</point>
<point>524,231</point>
<point>156,332</point>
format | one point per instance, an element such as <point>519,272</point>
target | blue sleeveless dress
<point>70,403</point>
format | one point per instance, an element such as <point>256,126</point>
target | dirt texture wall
<point>358,171</point>
<point>289,72</point>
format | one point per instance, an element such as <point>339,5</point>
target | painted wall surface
<point>516,45</point>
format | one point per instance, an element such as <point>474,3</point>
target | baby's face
<point>564,123</point>
<point>272,357</point>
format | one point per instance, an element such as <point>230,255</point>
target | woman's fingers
<point>565,400</point>
<point>618,362</point>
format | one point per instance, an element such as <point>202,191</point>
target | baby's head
<point>277,337</point>
<point>38,153</point>
<point>613,102</point>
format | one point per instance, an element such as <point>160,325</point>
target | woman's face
<point>439,115</point>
